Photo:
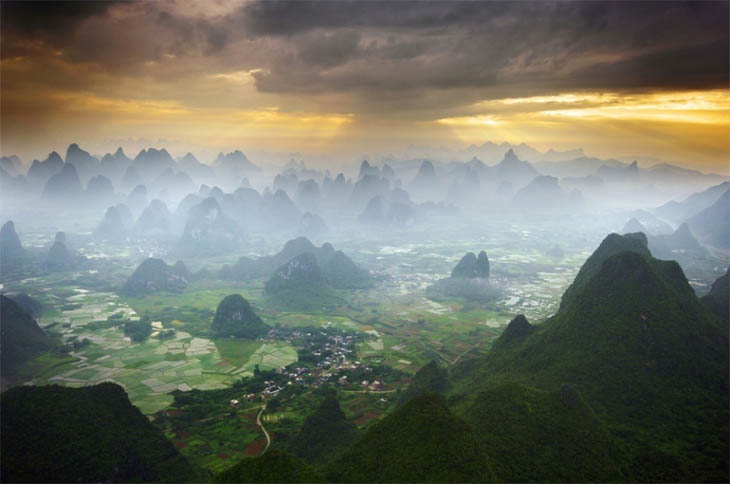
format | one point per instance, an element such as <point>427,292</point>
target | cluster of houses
<point>331,352</point>
<point>374,386</point>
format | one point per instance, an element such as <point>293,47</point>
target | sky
<point>335,80</point>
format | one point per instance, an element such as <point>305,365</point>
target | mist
<point>364,242</point>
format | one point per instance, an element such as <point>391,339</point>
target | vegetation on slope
<point>538,436</point>
<point>155,275</point>
<point>718,299</point>
<point>90,434</point>
<point>20,336</point>
<point>236,318</point>
<point>336,267</point>
<point>325,434</point>
<point>611,245</point>
<point>431,378</point>
<point>274,466</point>
<point>420,442</point>
<point>651,361</point>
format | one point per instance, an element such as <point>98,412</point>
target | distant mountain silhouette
<point>514,170</point>
<point>208,229</point>
<point>680,242</point>
<point>150,163</point>
<point>301,271</point>
<point>21,340</point>
<point>620,173</point>
<point>60,257</point>
<point>311,225</point>
<point>680,211</point>
<point>234,165</point>
<point>154,275</point>
<point>131,178</point>
<point>12,254</point>
<point>712,225</point>
<point>64,186</point>
<point>471,266</point>
<point>197,170</point>
<point>366,189</point>
<point>632,226</point>
<point>278,212</point>
<point>137,199</point>
<point>85,164</point>
<point>41,171</point>
<point>154,220</point>
<point>99,189</point>
<point>543,194</point>
<point>114,166</point>
<point>112,226</point>
<point>27,303</point>
<point>469,280</point>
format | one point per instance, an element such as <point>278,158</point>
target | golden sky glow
<point>367,81</point>
<point>694,123</point>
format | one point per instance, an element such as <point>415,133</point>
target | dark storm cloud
<point>592,45</point>
<point>86,31</point>
<point>47,18</point>
<point>383,50</point>
<point>684,67</point>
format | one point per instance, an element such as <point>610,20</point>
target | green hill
<point>301,271</point>
<point>517,329</point>
<point>430,378</point>
<point>325,434</point>
<point>420,442</point>
<point>469,280</point>
<point>12,253</point>
<point>154,275</point>
<point>651,361</point>
<point>611,245</point>
<point>300,285</point>
<point>27,303</point>
<point>472,266</point>
<point>90,434</point>
<point>235,318</point>
<point>274,466</point>
<point>539,436</point>
<point>718,299</point>
<point>336,267</point>
<point>20,337</point>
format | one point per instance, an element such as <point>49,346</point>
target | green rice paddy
<point>150,370</point>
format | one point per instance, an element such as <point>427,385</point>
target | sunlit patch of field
<point>270,355</point>
<point>315,319</point>
<point>149,370</point>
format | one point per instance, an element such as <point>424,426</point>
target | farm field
<point>149,370</point>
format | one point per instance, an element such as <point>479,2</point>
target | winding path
<point>263,429</point>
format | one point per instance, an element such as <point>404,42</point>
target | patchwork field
<point>149,370</point>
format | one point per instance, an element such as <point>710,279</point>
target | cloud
<point>477,46</point>
<point>400,62</point>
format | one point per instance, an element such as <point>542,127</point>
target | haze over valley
<point>315,242</point>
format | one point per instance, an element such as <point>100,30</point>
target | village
<point>326,356</point>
